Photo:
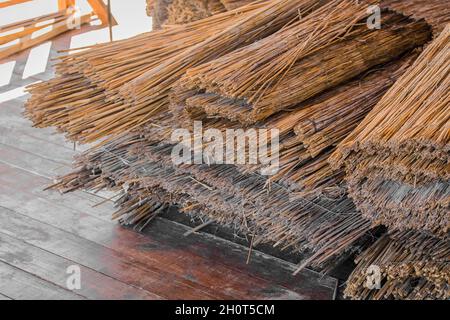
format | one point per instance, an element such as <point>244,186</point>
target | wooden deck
<point>43,233</point>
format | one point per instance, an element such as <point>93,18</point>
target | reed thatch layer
<point>435,12</point>
<point>410,126</point>
<point>233,4</point>
<point>185,11</point>
<point>327,227</point>
<point>413,265</point>
<point>148,94</point>
<point>305,66</point>
<point>410,116</point>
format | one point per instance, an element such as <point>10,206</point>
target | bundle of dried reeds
<point>435,12</point>
<point>397,159</point>
<point>411,265</point>
<point>148,94</point>
<point>185,11</point>
<point>305,65</point>
<point>142,169</point>
<point>328,71</point>
<point>88,82</point>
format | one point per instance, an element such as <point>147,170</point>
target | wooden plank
<point>53,269</point>
<point>98,258</point>
<point>79,201</point>
<point>11,3</point>
<point>28,31</point>
<point>31,162</point>
<point>11,119</point>
<point>58,28</point>
<point>263,266</point>
<point>20,285</point>
<point>32,21</point>
<point>64,4</point>
<point>157,251</point>
<point>101,10</point>
<point>43,149</point>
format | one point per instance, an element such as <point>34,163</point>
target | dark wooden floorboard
<point>215,272</point>
<point>19,285</point>
<point>99,258</point>
<point>53,268</point>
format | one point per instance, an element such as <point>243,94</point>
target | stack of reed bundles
<point>304,208</point>
<point>326,227</point>
<point>397,168</point>
<point>413,265</point>
<point>397,159</point>
<point>185,11</point>
<point>88,82</point>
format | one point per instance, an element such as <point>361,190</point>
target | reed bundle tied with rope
<point>411,265</point>
<point>397,160</point>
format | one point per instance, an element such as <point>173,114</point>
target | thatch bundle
<point>412,265</point>
<point>309,62</point>
<point>185,11</point>
<point>169,12</point>
<point>88,82</point>
<point>397,168</point>
<point>397,159</point>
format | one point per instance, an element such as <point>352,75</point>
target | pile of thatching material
<point>170,12</point>
<point>398,158</point>
<point>185,11</point>
<point>412,265</point>
<point>313,77</point>
<point>88,82</point>
<point>397,168</point>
